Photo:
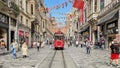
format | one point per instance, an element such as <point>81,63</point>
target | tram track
<point>50,65</point>
<point>53,58</point>
<point>65,66</point>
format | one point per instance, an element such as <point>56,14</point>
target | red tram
<point>58,40</point>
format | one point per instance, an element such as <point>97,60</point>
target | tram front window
<point>58,38</point>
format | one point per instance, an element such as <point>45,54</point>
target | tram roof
<point>59,32</point>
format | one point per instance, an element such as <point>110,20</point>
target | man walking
<point>14,47</point>
<point>77,43</point>
<point>38,46</point>
<point>88,46</point>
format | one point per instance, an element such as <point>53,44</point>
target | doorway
<point>12,36</point>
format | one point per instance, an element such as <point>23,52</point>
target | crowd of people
<point>23,47</point>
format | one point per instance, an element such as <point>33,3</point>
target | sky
<point>60,13</point>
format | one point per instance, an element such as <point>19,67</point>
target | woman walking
<point>114,52</point>
<point>24,49</point>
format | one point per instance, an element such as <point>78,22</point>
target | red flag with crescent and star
<point>79,4</point>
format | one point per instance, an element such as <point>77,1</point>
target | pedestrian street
<point>97,59</point>
<point>75,57</point>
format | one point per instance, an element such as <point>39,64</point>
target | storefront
<point>112,30</point>
<point>85,33</point>
<point>21,36</point>
<point>26,36</point>
<point>13,29</point>
<point>109,26</point>
<point>4,29</point>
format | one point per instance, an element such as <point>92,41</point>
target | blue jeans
<point>14,53</point>
<point>88,50</point>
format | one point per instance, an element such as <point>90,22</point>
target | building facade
<point>102,19</point>
<point>8,21</point>
<point>109,20</point>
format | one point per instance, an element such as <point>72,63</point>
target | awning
<point>111,16</point>
<point>84,29</point>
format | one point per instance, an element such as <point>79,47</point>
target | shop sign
<point>109,7</point>
<point>111,25</point>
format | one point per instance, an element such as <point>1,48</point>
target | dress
<point>114,51</point>
<point>24,49</point>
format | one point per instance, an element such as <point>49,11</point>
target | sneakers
<point>109,64</point>
<point>114,65</point>
<point>117,65</point>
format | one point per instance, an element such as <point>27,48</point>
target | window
<point>91,6</point>
<point>4,18</point>
<point>27,22</point>
<point>85,15</point>
<point>77,25</point>
<point>101,4</point>
<point>95,5</point>
<point>43,23</point>
<point>13,22</point>
<point>20,2</point>
<point>21,19</point>
<point>32,9</point>
<point>26,6</point>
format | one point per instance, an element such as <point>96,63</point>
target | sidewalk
<point>4,52</point>
<point>8,52</point>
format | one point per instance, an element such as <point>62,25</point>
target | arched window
<point>32,9</point>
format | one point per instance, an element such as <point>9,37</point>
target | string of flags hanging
<point>62,15</point>
<point>65,4</point>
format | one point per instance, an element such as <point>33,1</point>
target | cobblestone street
<point>97,59</point>
<point>33,59</point>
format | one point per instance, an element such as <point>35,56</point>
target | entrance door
<point>12,35</point>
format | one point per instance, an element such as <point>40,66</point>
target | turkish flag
<point>79,4</point>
